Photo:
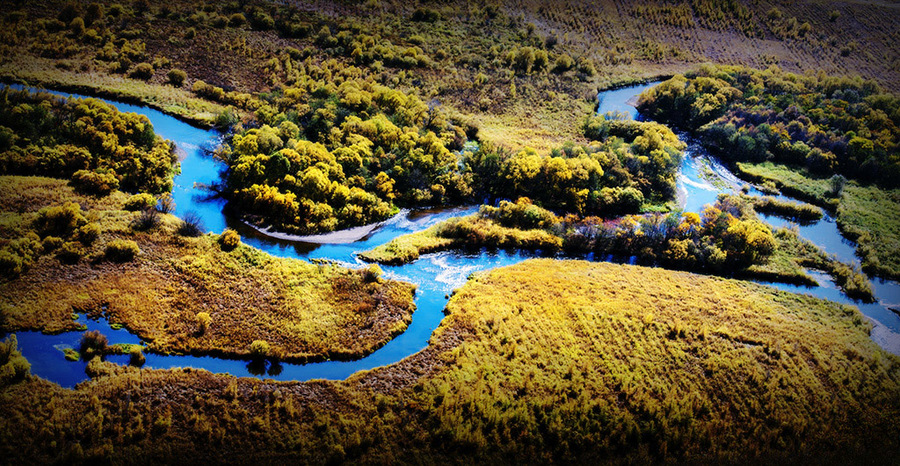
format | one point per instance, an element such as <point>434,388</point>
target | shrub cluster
<point>13,366</point>
<point>99,148</point>
<point>60,229</point>
<point>122,250</point>
<point>229,239</point>
<point>829,125</point>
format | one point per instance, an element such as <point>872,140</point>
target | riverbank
<point>304,312</point>
<point>175,102</point>
<point>864,214</point>
<point>346,236</point>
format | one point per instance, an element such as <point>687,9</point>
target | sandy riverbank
<point>349,235</point>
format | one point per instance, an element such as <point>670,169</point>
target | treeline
<point>332,156</point>
<point>827,124</point>
<point>88,141</point>
<point>725,238</point>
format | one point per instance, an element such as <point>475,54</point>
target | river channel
<point>437,275</point>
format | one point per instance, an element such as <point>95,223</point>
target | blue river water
<point>436,275</point>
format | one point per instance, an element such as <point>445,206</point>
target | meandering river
<point>436,275</point>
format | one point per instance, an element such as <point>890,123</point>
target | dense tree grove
<point>827,124</point>
<point>341,155</point>
<point>87,140</point>
<point>626,165</point>
<point>725,237</point>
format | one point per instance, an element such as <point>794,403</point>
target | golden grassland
<point>302,310</point>
<point>405,249</point>
<point>542,361</point>
<point>867,214</point>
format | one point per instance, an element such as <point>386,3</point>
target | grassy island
<point>155,280</point>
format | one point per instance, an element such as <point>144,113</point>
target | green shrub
<point>837,183</point>
<point>93,343</point>
<point>59,221</point>
<point>563,63</point>
<point>77,26</point>
<point>218,21</point>
<point>136,356</point>
<point>69,12</point>
<point>262,21</point>
<point>140,201</point>
<point>116,10</point>
<point>122,250</point>
<point>99,183</point>
<point>191,225</point>
<point>522,214</point>
<point>426,15</point>
<point>87,234</point>
<point>259,349</point>
<point>237,20</point>
<point>51,243</point>
<point>142,71</point>
<point>166,204</point>
<point>203,322</point>
<point>11,265</point>
<point>13,366</point>
<point>227,119</point>
<point>94,13</point>
<point>70,252</point>
<point>147,219</point>
<point>208,91</point>
<point>372,273</point>
<point>176,77</point>
<point>229,239</point>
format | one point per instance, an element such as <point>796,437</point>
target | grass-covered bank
<point>866,214</point>
<point>179,289</point>
<point>726,239</point>
<point>177,102</point>
<point>544,361</point>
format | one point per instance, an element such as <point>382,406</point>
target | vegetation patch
<point>828,125</point>
<point>864,213</point>
<point>797,211</point>
<point>89,141</point>
<point>726,239</point>
<point>303,311</point>
<point>361,148</point>
<point>805,134</point>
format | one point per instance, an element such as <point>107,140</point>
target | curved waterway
<point>436,275</point>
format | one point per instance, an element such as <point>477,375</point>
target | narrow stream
<point>436,275</point>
